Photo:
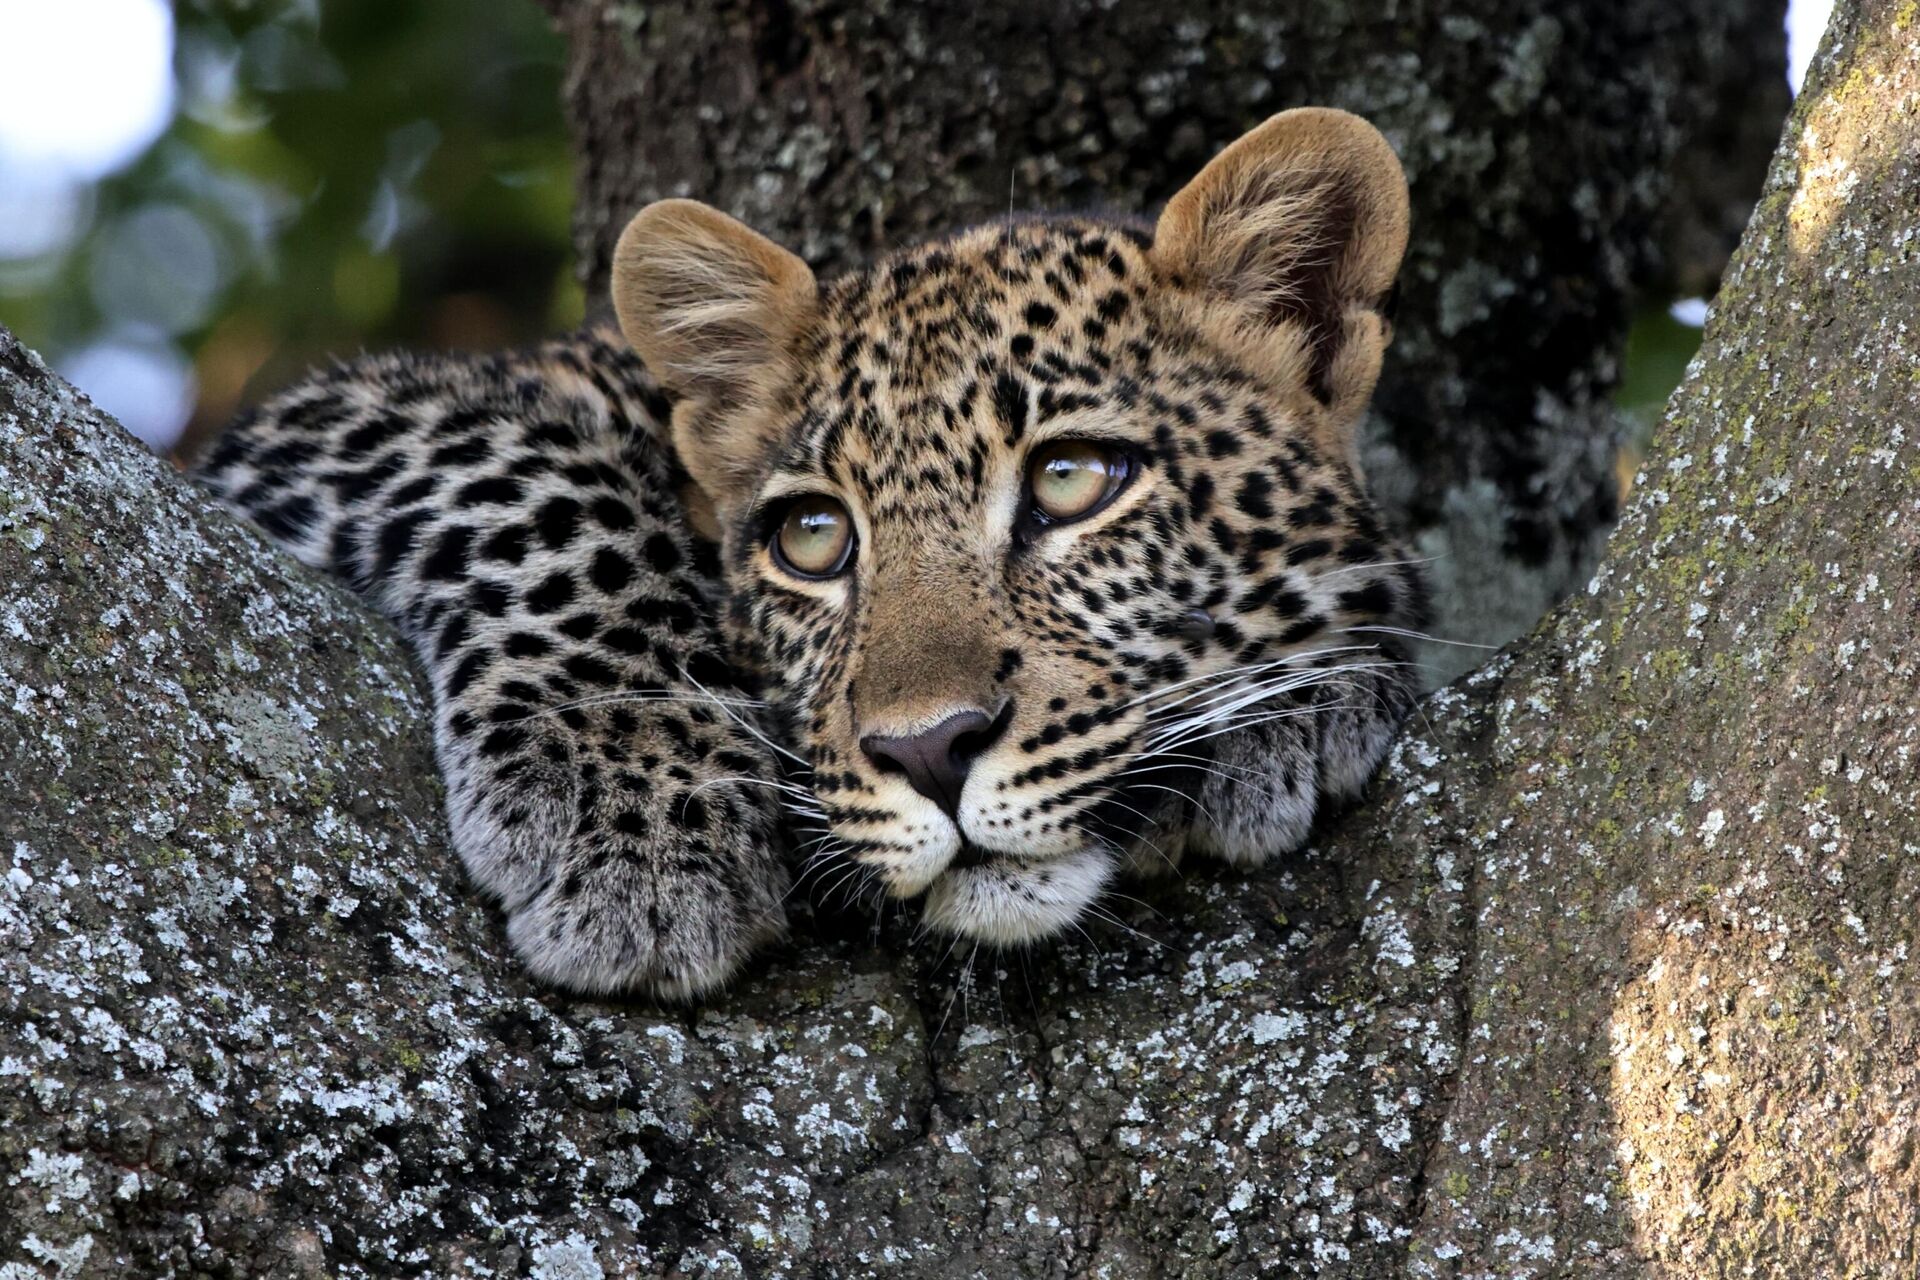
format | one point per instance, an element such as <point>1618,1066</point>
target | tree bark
<point>1613,977</point>
<point>1560,157</point>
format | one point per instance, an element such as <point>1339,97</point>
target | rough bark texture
<point>1614,977</point>
<point>1554,152</point>
<point>1693,1037</point>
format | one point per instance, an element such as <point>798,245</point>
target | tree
<point>1612,977</point>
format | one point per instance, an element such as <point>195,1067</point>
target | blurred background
<point>199,199</point>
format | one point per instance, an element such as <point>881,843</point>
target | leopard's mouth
<point>1011,896</point>
<point>1007,901</point>
<point>974,855</point>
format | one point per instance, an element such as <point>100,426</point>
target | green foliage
<point>1658,349</point>
<point>338,175</point>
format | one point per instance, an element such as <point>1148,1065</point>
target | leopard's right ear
<point>714,308</point>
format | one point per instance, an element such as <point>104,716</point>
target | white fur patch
<point>1007,903</point>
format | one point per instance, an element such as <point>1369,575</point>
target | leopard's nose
<point>936,760</point>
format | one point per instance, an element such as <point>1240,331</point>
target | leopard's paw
<point>1266,785</point>
<point>673,920</point>
<point>621,872</point>
<point>1259,793</point>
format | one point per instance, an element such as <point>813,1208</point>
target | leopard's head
<point>1047,538</point>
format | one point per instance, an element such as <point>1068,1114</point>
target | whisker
<point>1404,633</point>
<point>1116,848</point>
<point>1255,721</point>
<point>953,994</point>
<point>752,729</point>
<point>1378,564</point>
<point>1232,699</point>
<point>1097,912</point>
<point>1181,795</point>
<point>1250,668</point>
<point>1195,764</point>
<point>620,699</point>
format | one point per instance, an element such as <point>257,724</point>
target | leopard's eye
<point>815,539</point>
<point>1074,478</point>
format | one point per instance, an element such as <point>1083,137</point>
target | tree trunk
<point>1614,977</point>
<point>1554,152</point>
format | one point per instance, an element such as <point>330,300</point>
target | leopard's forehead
<point>1025,320</point>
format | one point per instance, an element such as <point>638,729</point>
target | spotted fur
<point>1199,667</point>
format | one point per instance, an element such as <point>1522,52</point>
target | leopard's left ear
<point>1288,243</point>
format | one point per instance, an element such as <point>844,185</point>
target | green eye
<point>815,540</point>
<point>1073,478</point>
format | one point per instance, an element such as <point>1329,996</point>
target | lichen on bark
<point>1693,1046</point>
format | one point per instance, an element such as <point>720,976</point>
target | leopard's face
<point>1045,541</point>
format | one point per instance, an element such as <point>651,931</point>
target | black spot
<point>490,598</point>
<point>1222,444</point>
<point>1009,663</point>
<point>509,545</point>
<point>352,486</point>
<point>493,490</point>
<point>461,421</point>
<point>502,740</point>
<point>661,554</point>
<point>1302,630</point>
<point>693,810</point>
<point>613,513</point>
<point>1374,598</point>
<point>709,669</point>
<point>462,453</point>
<point>1255,497</point>
<point>453,635</point>
<point>611,570</point>
<point>558,521</point>
<point>1010,404</point>
<point>448,560</point>
<point>376,431</point>
<point>414,491</point>
<point>284,457</point>
<point>525,644</point>
<point>396,540</point>
<point>1274,593</point>
<point>584,666</point>
<point>1200,496</point>
<point>556,435</point>
<point>288,520</point>
<point>625,640</point>
<point>1358,551</point>
<point>1040,316</point>
<point>553,594</point>
<point>1312,549</point>
<point>469,669</point>
<point>343,551</point>
<point>1314,515</point>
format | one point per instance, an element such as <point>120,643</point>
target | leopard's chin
<point>1007,902</point>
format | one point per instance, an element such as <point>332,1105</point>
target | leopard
<point>1013,565</point>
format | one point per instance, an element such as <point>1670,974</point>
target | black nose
<point>936,760</point>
